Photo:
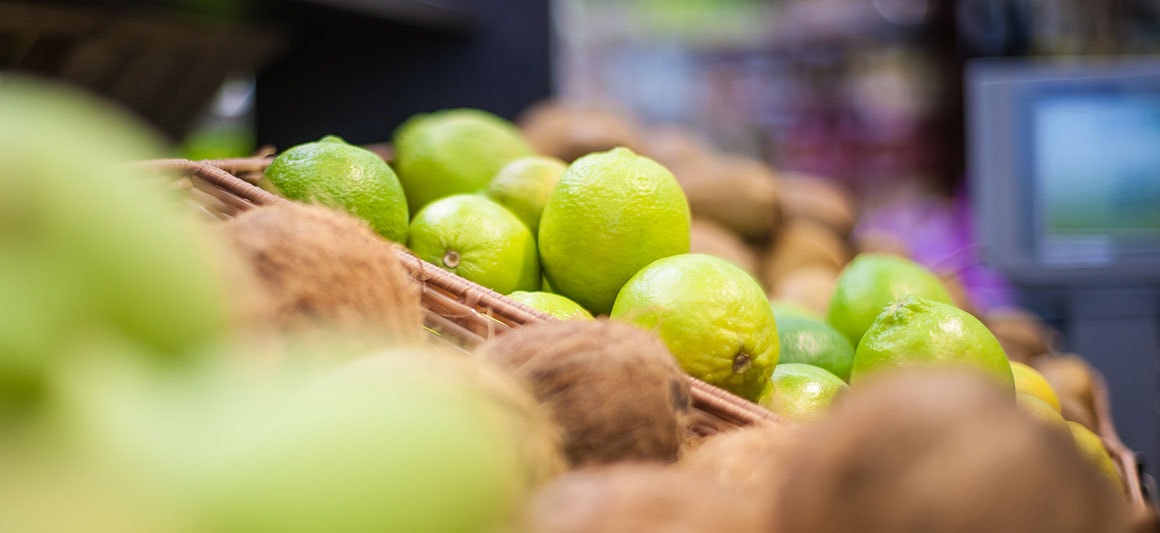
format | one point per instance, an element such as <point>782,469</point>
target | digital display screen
<point>1096,167</point>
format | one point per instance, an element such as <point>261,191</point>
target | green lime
<point>801,392</point>
<point>870,282</point>
<point>479,240</point>
<point>342,176</point>
<point>453,151</point>
<point>813,342</point>
<point>610,215</point>
<point>918,331</point>
<point>523,187</point>
<point>552,304</point>
<point>712,315</point>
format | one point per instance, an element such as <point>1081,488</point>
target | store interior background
<point>868,93</point>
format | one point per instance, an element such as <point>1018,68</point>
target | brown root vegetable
<point>615,389</point>
<point>880,242</point>
<point>810,287</point>
<point>738,193</point>
<point>818,199</point>
<point>802,243</point>
<point>569,130</point>
<point>640,497</point>
<point>323,268</point>
<point>1070,377</point>
<point>708,237</point>
<point>927,450</point>
<point>677,148</point>
<point>1023,335</point>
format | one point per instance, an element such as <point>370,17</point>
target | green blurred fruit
<point>552,304</point>
<point>523,187</point>
<point>89,247</point>
<point>813,342</point>
<point>479,240</point>
<point>342,176</point>
<point>712,316</point>
<point>453,151</point>
<point>870,282</point>
<point>801,392</point>
<point>918,331</point>
<point>610,215</point>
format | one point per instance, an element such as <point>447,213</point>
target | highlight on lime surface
<point>610,215</point>
<point>713,316</point>
<point>478,239</point>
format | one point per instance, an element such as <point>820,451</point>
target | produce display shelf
<point>465,314</point>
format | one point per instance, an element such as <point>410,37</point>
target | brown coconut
<point>324,268</point>
<point>678,148</point>
<point>921,451</point>
<point>615,389</point>
<point>811,287</point>
<point>752,459</point>
<point>818,199</point>
<point>708,237</point>
<point>640,497</point>
<point>802,243</point>
<point>568,130</point>
<point>738,193</point>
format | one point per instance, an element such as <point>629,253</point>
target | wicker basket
<point>455,310</point>
<point>464,313</point>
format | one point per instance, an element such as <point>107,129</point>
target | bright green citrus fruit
<point>813,342</point>
<point>801,392</point>
<point>342,176</point>
<point>552,304</point>
<point>783,309</point>
<point>453,151</point>
<point>712,315</point>
<point>523,187</point>
<point>610,215</point>
<point>1093,449</point>
<point>1030,381</point>
<point>479,240</point>
<point>918,331</point>
<point>870,282</point>
<point>1040,410</point>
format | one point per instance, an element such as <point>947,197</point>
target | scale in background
<point>1064,167</point>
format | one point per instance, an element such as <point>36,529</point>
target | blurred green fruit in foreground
<point>89,247</point>
<point>453,151</point>
<point>342,176</point>
<point>870,282</point>
<point>918,331</point>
